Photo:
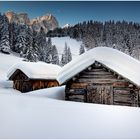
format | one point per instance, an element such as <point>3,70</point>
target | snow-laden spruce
<point>74,45</point>
<point>36,70</point>
<point>117,61</point>
<point>4,34</point>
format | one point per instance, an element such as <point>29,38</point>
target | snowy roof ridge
<point>117,61</point>
<point>36,70</point>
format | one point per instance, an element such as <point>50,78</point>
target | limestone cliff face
<point>47,22</point>
<point>20,18</point>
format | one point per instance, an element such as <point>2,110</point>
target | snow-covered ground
<point>39,115</point>
<point>72,43</point>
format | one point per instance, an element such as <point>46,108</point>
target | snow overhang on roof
<point>117,61</point>
<point>36,70</point>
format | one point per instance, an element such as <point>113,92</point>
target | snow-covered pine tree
<point>13,33</point>
<point>4,34</point>
<point>29,41</point>
<point>20,43</point>
<point>34,45</point>
<point>42,44</point>
<point>55,57</point>
<point>49,51</point>
<point>69,54</point>
<point>89,41</point>
<point>82,49</point>
<point>63,60</point>
<point>31,55</point>
<point>31,50</point>
<point>66,56</point>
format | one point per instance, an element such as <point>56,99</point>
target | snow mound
<point>6,84</point>
<point>119,62</point>
<point>36,70</point>
<point>54,93</point>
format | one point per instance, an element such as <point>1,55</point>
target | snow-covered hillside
<point>72,43</point>
<point>6,61</point>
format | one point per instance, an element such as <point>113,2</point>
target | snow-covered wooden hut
<point>102,75</point>
<point>28,76</point>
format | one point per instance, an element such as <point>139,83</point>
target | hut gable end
<point>18,75</point>
<point>99,84</point>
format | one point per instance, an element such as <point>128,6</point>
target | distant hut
<point>29,76</point>
<point>103,76</point>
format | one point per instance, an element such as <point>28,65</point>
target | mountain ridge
<point>47,22</point>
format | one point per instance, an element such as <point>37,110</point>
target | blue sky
<point>73,12</point>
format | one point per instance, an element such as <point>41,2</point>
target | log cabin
<point>29,76</point>
<point>103,76</point>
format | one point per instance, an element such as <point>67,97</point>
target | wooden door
<point>99,94</point>
<point>26,87</point>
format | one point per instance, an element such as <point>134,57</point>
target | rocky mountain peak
<point>20,18</point>
<point>47,22</point>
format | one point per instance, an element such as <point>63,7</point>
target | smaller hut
<point>29,76</point>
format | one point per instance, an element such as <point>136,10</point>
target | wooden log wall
<point>24,84</point>
<point>110,87</point>
<point>30,85</point>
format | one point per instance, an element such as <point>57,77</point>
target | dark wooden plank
<point>76,91</point>
<point>78,85</point>
<point>77,98</point>
<point>122,104</point>
<point>96,73</point>
<point>97,81</point>
<point>120,84</point>
<point>97,76</point>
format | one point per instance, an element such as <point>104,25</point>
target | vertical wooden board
<point>99,94</point>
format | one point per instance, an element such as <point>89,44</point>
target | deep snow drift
<point>37,117</point>
<point>53,93</point>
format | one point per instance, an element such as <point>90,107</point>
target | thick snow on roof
<point>119,62</point>
<point>36,70</point>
